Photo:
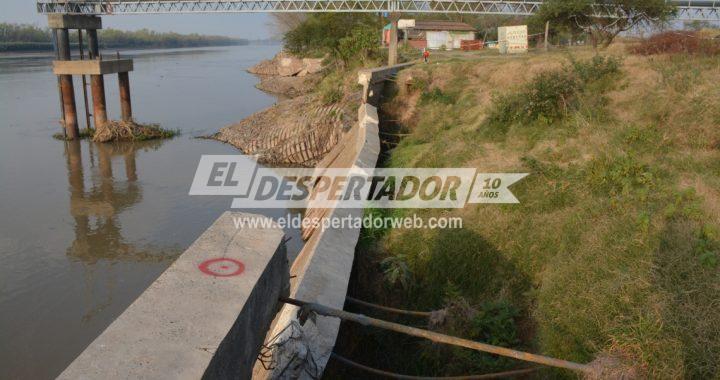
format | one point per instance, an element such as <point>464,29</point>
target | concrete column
<point>392,51</point>
<point>66,86</point>
<point>125,105</point>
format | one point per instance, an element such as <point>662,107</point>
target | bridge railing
<point>687,9</point>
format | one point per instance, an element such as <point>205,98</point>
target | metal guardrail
<point>687,9</point>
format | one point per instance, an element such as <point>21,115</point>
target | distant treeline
<point>20,37</point>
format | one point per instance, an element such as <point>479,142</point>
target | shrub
<point>683,42</point>
<point>321,33</point>
<point>596,69</point>
<point>552,94</point>
<point>618,175</point>
<point>331,88</point>
<point>360,45</point>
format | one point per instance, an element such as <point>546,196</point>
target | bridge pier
<point>64,67</point>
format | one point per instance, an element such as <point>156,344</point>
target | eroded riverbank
<point>298,131</point>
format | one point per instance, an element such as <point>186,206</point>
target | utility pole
<point>547,34</point>
<point>392,51</point>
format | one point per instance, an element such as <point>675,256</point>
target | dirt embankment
<point>298,131</point>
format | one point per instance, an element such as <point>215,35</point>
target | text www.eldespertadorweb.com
<point>349,221</point>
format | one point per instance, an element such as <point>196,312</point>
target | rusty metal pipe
<point>97,87</point>
<point>125,104</point>
<point>66,87</point>
<point>437,337</point>
<point>59,87</point>
<point>84,80</point>
<point>68,97</point>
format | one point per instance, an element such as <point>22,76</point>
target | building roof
<point>443,25</point>
<point>451,26</point>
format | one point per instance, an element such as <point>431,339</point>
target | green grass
<point>614,248</point>
<point>85,133</point>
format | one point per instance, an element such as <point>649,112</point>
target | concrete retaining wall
<point>322,270</point>
<point>200,318</point>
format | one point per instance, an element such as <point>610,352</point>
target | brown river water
<point>84,227</point>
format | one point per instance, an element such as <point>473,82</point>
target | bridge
<point>686,9</point>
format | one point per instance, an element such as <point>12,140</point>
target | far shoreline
<point>125,50</point>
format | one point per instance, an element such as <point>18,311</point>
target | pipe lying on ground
<point>437,337</point>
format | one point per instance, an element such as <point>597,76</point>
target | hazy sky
<point>237,25</point>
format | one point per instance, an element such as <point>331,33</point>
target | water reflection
<point>86,228</point>
<point>98,234</point>
<point>95,210</point>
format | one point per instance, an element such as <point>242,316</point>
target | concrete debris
<point>286,65</point>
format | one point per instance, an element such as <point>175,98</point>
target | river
<point>84,227</point>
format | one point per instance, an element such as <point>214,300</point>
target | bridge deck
<point>687,9</point>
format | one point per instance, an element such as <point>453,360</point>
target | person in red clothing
<point>426,55</point>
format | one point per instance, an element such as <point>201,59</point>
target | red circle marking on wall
<point>222,267</point>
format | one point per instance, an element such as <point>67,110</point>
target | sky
<point>244,25</point>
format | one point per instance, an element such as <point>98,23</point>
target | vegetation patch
<point>345,37</point>
<point>131,131</point>
<point>552,95</point>
<point>678,42</point>
<point>437,95</point>
<point>22,37</point>
<point>610,257</point>
<point>84,134</point>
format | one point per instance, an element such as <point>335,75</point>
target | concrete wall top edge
<point>174,329</point>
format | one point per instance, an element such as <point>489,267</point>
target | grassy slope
<point>614,247</point>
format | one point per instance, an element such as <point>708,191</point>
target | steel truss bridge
<point>686,9</point>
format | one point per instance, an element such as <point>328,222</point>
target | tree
<point>285,22</point>
<point>320,33</point>
<point>604,20</point>
<point>361,44</point>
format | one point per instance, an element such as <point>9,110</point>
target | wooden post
<point>125,104</point>
<point>547,34</point>
<point>66,87</point>
<point>392,51</point>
